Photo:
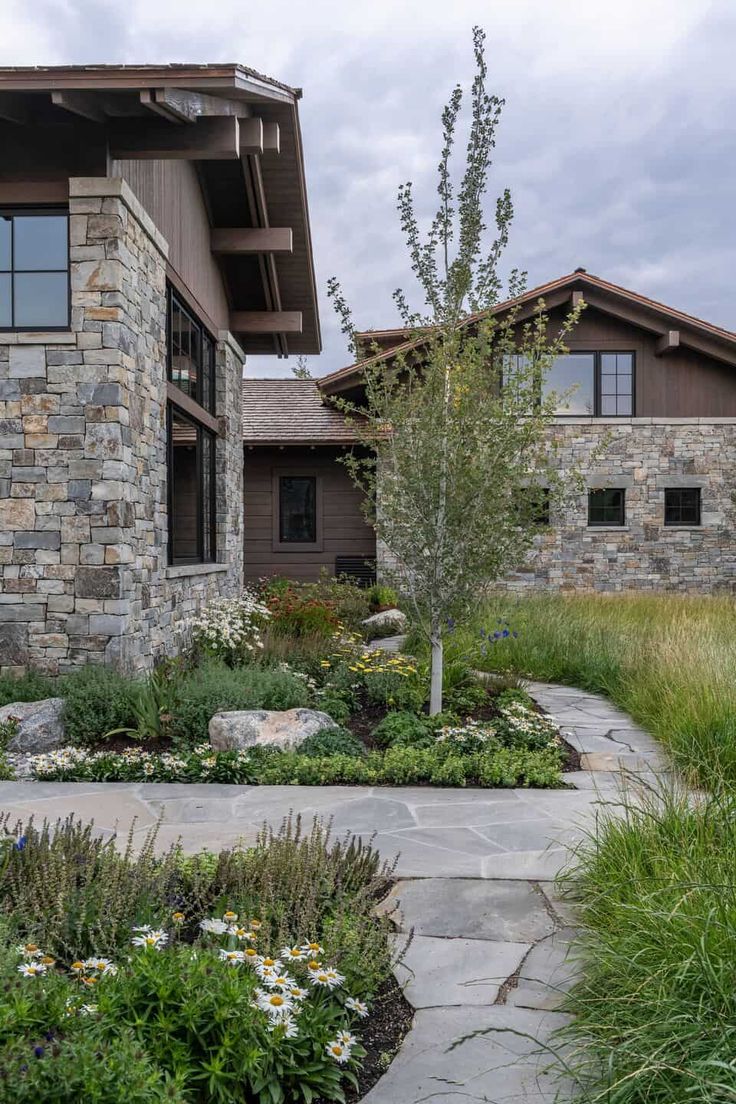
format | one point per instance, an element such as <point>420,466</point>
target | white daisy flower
<point>233,958</point>
<point>29,950</point>
<point>87,1009</point>
<point>213,926</point>
<point>293,954</point>
<point>326,978</point>
<point>240,933</point>
<point>251,956</point>
<point>141,927</point>
<point>273,965</point>
<point>32,969</point>
<point>359,1007</point>
<point>104,965</point>
<point>347,1039</point>
<point>312,950</point>
<point>153,938</point>
<point>281,981</point>
<point>275,1004</point>
<point>337,1051</point>
<point>298,994</point>
<point>229,917</point>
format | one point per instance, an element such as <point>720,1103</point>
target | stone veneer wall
<point>645,456</point>
<point>83,513</point>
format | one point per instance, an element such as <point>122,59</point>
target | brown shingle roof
<point>291,412</point>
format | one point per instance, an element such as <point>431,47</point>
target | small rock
<point>257,727</point>
<point>40,726</point>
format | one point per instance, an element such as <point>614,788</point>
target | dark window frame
<point>205,340</point>
<point>598,514</point>
<point>278,545</point>
<point>670,508</point>
<point>190,410</point>
<point>598,355</point>
<point>57,210</point>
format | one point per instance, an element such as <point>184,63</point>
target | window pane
<point>184,350</point>
<point>607,507</point>
<point>6,317</point>
<point>682,506</point>
<point>608,385</point>
<point>185,498</point>
<point>5,235</point>
<point>608,404</point>
<point>298,509</point>
<point>41,242</point>
<point>623,405</point>
<point>208,373</point>
<point>208,496</point>
<point>41,299</point>
<point>573,370</point>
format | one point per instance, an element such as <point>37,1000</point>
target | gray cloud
<point>617,139</point>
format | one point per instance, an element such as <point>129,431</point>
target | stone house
<point>154,230</point>
<point>656,385</point>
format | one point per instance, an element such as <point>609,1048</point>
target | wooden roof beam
<point>274,239</point>
<point>667,342</point>
<point>266,322</point>
<point>181,106</point>
<point>210,139</point>
<point>79,103</point>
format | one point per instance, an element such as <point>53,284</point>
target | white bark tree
<point>459,458</point>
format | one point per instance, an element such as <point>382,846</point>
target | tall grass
<point>669,661</point>
<point>655,1007</point>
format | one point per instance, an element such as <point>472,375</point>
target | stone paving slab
<point>546,973</point>
<point>506,1064</point>
<point>441,972</point>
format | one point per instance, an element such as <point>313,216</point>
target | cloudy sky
<point>618,139</point>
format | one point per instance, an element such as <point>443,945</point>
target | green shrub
<point>403,729</point>
<point>81,1065</point>
<point>381,596</point>
<point>8,730</point>
<point>214,688</point>
<point>295,614</point>
<point>332,741</point>
<point>335,705</point>
<point>96,700</point>
<point>26,688</point>
<point>395,690</point>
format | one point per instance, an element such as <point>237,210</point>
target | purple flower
<point>39,1051</point>
<point>20,843</point>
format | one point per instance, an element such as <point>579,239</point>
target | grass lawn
<point>669,661</point>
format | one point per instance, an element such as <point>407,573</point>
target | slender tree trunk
<point>435,685</point>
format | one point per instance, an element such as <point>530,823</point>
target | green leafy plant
<point>296,614</point>
<point>153,703</point>
<point>96,700</point>
<point>403,729</point>
<point>382,597</point>
<point>332,741</point>
<point>8,730</point>
<point>26,688</point>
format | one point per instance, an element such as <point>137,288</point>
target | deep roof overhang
<point>242,130</point>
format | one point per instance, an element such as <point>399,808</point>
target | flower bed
<point>243,977</point>
<point>273,652</point>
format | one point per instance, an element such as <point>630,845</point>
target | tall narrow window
<point>34,269</point>
<point>616,384</point>
<point>607,507</point>
<point>297,509</point>
<point>192,439</point>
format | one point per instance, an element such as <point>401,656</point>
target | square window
<point>572,378</point>
<point>40,299</point>
<point>682,506</point>
<point>607,506</point>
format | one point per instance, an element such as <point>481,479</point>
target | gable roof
<point>291,412</point>
<point>597,292</point>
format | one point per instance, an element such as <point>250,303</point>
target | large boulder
<point>390,622</point>
<point>247,728</point>
<point>40,725</point>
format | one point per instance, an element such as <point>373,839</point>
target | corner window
<point>682,506</point>
<point>607,507</point>
<point>297,509</point>
<point>191,355</point>
<point>34,269</point>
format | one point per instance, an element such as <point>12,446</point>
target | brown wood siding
<point>678,384</point>
<point>344,529</point>
<point>171,194</point>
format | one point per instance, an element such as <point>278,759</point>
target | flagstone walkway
<point>489,962</point>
